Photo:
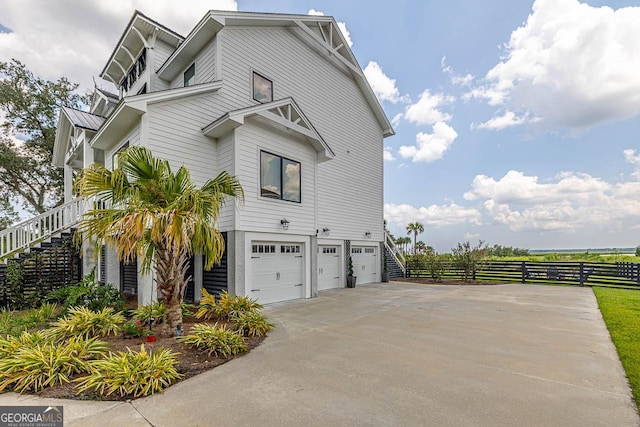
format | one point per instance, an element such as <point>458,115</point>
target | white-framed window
<point>280,178</point>
<point>263,249</point>
<point>290,249</point>
<point>356,250</point>
<point>114,157</point>
<point>190,75</point>
<point>369,250</point>
<point>262,88</point>
<point>329,250</point>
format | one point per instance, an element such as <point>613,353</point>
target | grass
<point>620,309</point>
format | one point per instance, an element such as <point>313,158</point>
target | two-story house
<point>277,100</point>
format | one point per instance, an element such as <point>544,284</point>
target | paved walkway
<point>403,354</point>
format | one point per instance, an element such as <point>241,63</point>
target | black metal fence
<point>26,280</point>
<point>569,273</point>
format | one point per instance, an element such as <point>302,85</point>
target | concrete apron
<point>404,354</point>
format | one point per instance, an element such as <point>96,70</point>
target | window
<point>114,157</point>
<point>263,249</point>
<point>356,250</point>
<point>329,250</point>
<point>279,178</point>
<point>262,88</point>
<point>290,249</point>
<point>142,90</point>
<point>190,75</point>
<point>136,71</point>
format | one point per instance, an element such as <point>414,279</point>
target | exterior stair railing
<point>40,228</point>
<point>396,253</point>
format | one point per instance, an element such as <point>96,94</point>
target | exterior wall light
<point>284,222</point>
<point>367,235</point>
<point>326,231</point>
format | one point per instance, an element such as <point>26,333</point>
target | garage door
<point>276,271</point>
<point>364,263</point>
<point>328,267</point>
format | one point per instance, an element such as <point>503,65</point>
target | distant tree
<point>8,214</point>
<point>638,251</point>
<point>415,228</point>
<point>30,105</point>
<point>422,248</point>
<point>402,242</point>
<point>506,251</point>
<point>469,258</point>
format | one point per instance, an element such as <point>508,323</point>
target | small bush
<point>34,362</point>
<point>208,309</point>
<point>469,258</point>
<point>131,373</point>
<point>253,324</point>
<point>134,328</point>
<point>88,293</point>
<point>14,323</point>
<point>150,312</point>
<point>232,307</point>
<point>83,322</point>
<point>217,340</point>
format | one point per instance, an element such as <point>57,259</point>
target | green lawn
<point>620,309</point>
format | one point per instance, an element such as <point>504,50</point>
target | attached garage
<point>365,263</point>
<point>329,267</point>
<point>277,271</point>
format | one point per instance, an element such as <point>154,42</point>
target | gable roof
<point>284,112</point>
<point>321,31</point>
<point>82,119</point>
<point>132,40</point>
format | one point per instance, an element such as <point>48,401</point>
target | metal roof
<point>108,94</point>
<point>84,120</point>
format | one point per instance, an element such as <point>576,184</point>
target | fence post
<point>523,270</point>
<point>582,274</point>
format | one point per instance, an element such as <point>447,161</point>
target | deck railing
<point>39,228</point>
<point>396,253</point>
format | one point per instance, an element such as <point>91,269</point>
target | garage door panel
<point>328,267</point>
<point>365,263</point>
<point>276,271</point>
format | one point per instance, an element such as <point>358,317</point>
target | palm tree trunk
<point>171,269</point>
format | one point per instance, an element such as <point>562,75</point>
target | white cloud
<point>383,86</point>
<point>75,39</point>
<point>456,79</point>
<point>630,156</point>
<point>426,111</point>
<point>341,25</point>
<point>570,201</point>
<point>434,215</point>
<point>430,146</point>
<point>570,64</point>
<point>388,156</point>
<point>508,119</point>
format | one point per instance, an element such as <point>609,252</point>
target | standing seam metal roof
<point>83,119</point>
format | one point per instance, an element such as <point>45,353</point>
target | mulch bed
<point>430,281</point>
<point>191,361</point>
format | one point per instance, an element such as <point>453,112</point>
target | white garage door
<point>328,267</point>
<point>364,263</point>
<point>276,271</point>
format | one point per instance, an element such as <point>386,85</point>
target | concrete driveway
<point>404,354</point>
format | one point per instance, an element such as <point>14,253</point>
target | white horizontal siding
<point>263,214</point>
<point>350,187</point>
<point>175,133</point>
<point>226,163</point>
<point>205,66</point>
<point>133,137</point>
<point>159,53</point>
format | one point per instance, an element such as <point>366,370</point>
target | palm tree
<point>415,228</point>
<point>402,243</point>
<point>420,246</point>
<point>159,216</point>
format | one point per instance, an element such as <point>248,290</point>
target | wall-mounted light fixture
<point>367,235</point>
<point>284,222</point>
<point>326,231</point>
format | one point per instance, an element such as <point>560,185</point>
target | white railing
<point>396,253</point>
<point>27,233</point>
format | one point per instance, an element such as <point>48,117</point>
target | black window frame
<point>282,178</point>
<point>192,69</point>
<point>253,87</point>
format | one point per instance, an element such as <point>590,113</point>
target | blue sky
<point>516,121</point>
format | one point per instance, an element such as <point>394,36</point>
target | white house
<point>277,100</point>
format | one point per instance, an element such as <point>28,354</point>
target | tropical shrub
<point>33,361</point>
<point>131,373</point>
<point>253,323</point>
<point>469,258</point>
<point>83,322</point>
<point>208,309</point>
<point>150,312</point>
<point>88,293</point>
<point>232,307</point>
<point>134,328</point>
<point>14,323</point>
<point>217,340</point>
